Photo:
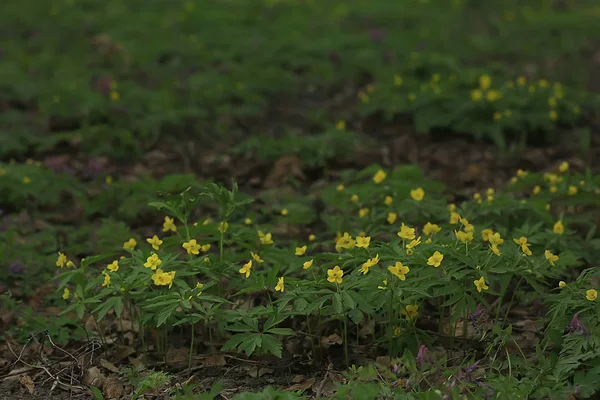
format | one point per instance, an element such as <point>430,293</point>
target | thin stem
<point>512,298</point>
<point>345,321</point>
<point>390,318</point>
<point>312,342</point>
<point>191,349</point>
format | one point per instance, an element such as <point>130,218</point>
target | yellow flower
<point>312,238</point>
<point>480,284</point>
<point>161,278</point>
<point>307,264</point>
<point>363,212</point>
<point>563,167</point>
<point>71,264</point>
<point>344,242</point>
<point>169,225</point>
<point>558,227</point>
<point>537,189</point>
<point>265,238</point>
<point>521,173</point>
<point>562,284</point>
<point>335,275</point>
<point>476,95</point>
<point>26,180</point>
<point>280,286</point>
<point>354,198</point>
<point>284,212</point>
<point>476,196</point>
<point>379,176</point>
<point>366,266</point>
<point>66,294</point>
<point>205,247</point>
<point>591,294</point>
<point>222,228</point>
<point>385,282</point>
<point>399,270</point>
<point>340,187</point>
<point>388,200</point>
<point>113,267</point>
<point>553,115</point>
<point>155,242</point>
<point>465,237</point>
<point>417,194</point>
<point>550,257</point>
<point>410,311</point>
<point>130,244</point>
<point>431,229</point>
<point>436,259</point>
<point>246,269</point>
<point>248,221</point>
<point>153,262</point>
<point>454,217</point>
<point>521,81</point>
<point>106,279</point>
<point>256,257</point>
<point>493,95</point>
<point>406,232</point>
<point>572,190</point>
<point>300,250</point>
<point>391,217</point>
<point>521,241</point>
<point>485,82</point>
<point>363,242</point>
<point>340,125</point>
<point>410,246</point>
<point>451,207</point>
<point>192,247</point>
<point>62,260</point>
<point>485,234</point>
<point>497,116</point>
<point>397,80</point>
<point>495,250</point>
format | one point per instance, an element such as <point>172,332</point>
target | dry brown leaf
<point>109,366</point>
<point>301,383</point>
<point>327,341</point>
<point>93,377</point>
<point>384,361</point>
<point>257,373</point>
<point>27,383</point>
<point>284,168</point>
<point>112,388</point>
<point>217,360</point>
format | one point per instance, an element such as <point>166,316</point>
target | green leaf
<point>162,316</point>
<point>271,344</point>
<point>337,303</point>
<point>281,331</point>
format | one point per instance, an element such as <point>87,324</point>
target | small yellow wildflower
<point>397,80</point>
<point>155,242</point>
<point>192,247</point>
<point>399,270</point>
<point>169,225</point>
<point>26,180</point>
<point>363,242</point>
<point>537,189</point>
<point>591,294</point>
<point>465,237</point>
<point>130,244</point>
<point>550,257</point>
<point>335,275</point>
<point>153,262</point>
<point>436,259</point>
<point>451,207</point>
<point>312,238</point>
<point>106,282</point>
<point>563,167</point>
<point>344,242</point>
<point>256,257</point>
<point>454,217</point>
<point>113,266</point>
<point>301,250</point>
<point>572,190</point>
<point>485,81</point>
<point>485,234</point>
<point>476,95</point>
<point>558,227</point>
<point>340,125</point>
<point>388,200</point>
<point>366,266</point>
<point>495,250</point>
<point>246,269</point>
<point>553,115</point>
<point>62,260</point>
<point>265,238</point>
<point>493,95</point>
<point>417,194</point>
<point>410,311</point>
<point>340,187</point>
<point>284,212</point>
<point>223,226</point>
<point>406,232</point>
<point>391,217</point>
<point>379,176</point>
<point>385,282</point>
<point>363,212</point>
<point>66,294</point>
<point>562,284</point>
<point>307,264</point>
<point>480,284</point>
<point>431,229</point>
<point>247,221</point>
<point>280,285</point>
<point>354,198</point>
<point>161,278</point>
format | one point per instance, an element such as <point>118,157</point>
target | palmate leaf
<point>270,344</point>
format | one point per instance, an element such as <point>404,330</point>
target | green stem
<point>312,342</point>
<point>390,318</point>
<point>345,320</point>
<point>191,349</point>
<point>511,299</point>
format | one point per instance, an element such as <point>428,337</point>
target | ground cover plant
<point>299,199</point>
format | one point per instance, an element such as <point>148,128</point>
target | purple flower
<point>422,356</point>
<point>576,327</point>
